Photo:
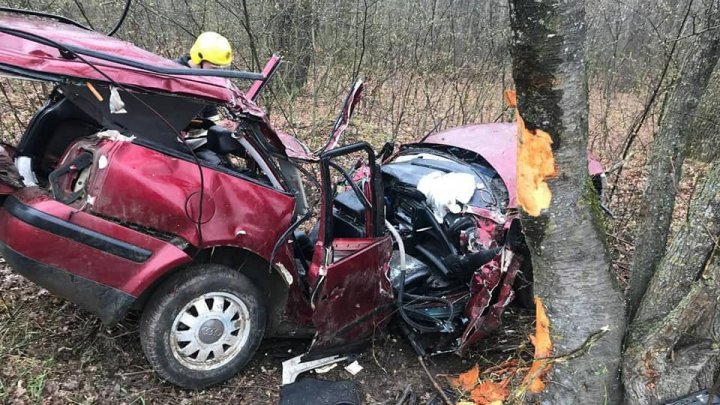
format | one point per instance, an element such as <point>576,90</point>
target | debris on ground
<point>354,368</point>
<point>320,392</point>
<point>491,386</point>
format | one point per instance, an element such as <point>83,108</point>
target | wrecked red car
<point>109,201</point>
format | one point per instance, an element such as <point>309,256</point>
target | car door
<point>351,294</point>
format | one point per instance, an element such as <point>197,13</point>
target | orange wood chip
<point>467,380</point>
<point>489,392</point>
<point>535,164</point>
<point>543,349</point>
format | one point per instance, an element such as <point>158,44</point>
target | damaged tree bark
<point>666,160</point>
<point>569,255</point>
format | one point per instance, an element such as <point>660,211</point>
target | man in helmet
<point>210,51</point>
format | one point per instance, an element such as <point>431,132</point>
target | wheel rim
<point>210,331</point>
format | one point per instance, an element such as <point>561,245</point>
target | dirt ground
<point>52,352</point>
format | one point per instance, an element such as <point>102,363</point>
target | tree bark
<point>673,345</point>
<point>293,28</point>
<point>567,243</point>
<point>664,168</point>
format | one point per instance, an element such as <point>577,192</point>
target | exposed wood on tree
<point>571,266</point>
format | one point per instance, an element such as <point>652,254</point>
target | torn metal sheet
<point>292,368</point>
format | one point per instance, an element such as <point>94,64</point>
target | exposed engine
<point>448,217</point>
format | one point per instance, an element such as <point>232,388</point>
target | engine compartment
<point>449,216</point>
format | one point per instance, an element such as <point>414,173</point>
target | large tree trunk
<point>665,165</point>
<point>672,347</point>
<point>672,343</point>
<point>569,255</point>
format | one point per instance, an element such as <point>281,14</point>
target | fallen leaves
<point>490,387</point>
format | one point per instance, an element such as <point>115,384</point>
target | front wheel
<point>202,326</point>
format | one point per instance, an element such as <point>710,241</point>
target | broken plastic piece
<point>115,135</point>
<point>354,367</point>
<point>117,106</point>
<point>325,369</point>
<point>295,366</point>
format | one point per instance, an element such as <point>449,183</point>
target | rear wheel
<point>202,326</point>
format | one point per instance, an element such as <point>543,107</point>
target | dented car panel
<point>354,296</point>
<point>25,56</point>
<point>77,243</point>
<point>498,275</point>
<point>165,197</point>
<point>351,292</point>
<point>458,244</point>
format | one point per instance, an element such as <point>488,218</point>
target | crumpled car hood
<point>497,144</point>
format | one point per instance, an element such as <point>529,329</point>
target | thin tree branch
<point>632,135</point>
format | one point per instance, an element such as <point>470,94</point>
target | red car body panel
<point>497,144</point>
<point>82,260</point>
<point>46,59</point>
<point>483,317</point>
<point>355,295</point>
<point>352,294</point>
<point>164,196</point>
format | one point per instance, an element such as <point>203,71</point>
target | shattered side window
<point>154,118</point>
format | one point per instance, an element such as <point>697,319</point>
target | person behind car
<point>210,51</point>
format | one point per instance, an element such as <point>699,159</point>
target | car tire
<point>202,326</point>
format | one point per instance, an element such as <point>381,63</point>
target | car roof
<point>36,48</point>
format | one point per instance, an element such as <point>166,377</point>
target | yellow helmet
<point>211,47</point>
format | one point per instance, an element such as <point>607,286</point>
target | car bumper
<point>98,264</point>
<point>108,303</point>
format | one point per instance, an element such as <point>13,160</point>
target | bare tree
<point>672,343</point>
<point>667,158</point>
<point>674,293</point>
